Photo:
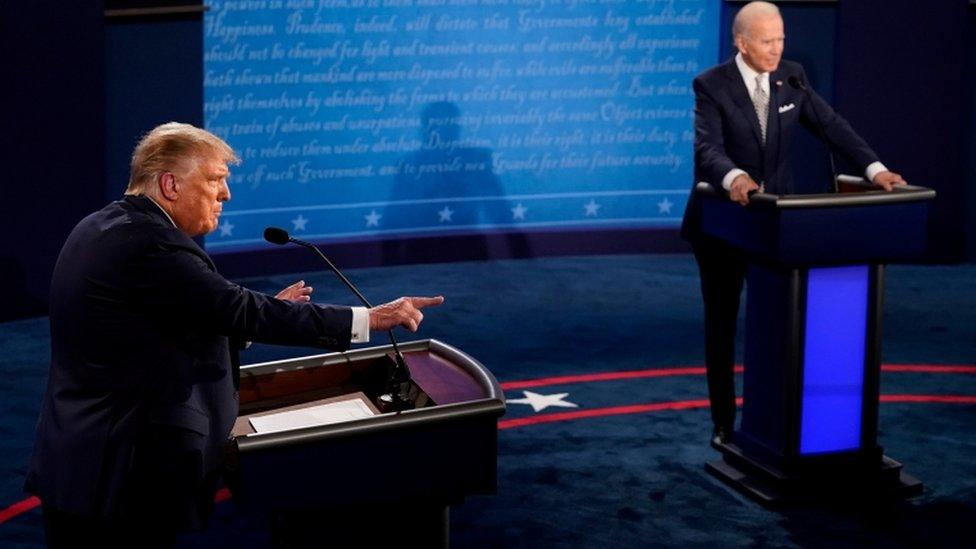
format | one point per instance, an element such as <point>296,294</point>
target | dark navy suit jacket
<point>727,134</point>
<point>142,377</point>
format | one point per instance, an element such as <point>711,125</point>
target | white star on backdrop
<point>591,208</point>
<point>373,219</point>
<point>664,206</point>
<point>445,214</point>
<point>541,402</point>
<point>299,222</point>
<point>226,228</point>
<point>518,212</point>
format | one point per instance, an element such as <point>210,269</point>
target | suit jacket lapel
<point>740,95</point>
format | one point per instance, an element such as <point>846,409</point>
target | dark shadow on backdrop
<point>443,168</point>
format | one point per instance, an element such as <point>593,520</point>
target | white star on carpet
<point>299,222</point>
<point>226,228</point>
<point>518,212</point>
<point>591,208</point>
<point>664,206</point>
<point>541,402</point>
<point>373,219</point>
<point>445,214</point>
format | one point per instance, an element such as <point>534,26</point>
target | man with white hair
<point>142,390</point>
<point>746,111</point>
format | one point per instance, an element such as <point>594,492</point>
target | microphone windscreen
<point>796,82</point>
<point>276,235</point>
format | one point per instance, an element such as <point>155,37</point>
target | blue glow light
<point>833,359</point>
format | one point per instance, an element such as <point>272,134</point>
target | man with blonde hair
<point>141,395</point>
<point>746,111</point>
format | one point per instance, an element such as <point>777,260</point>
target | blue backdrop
<point>374,119</point>
<point>98,83</point>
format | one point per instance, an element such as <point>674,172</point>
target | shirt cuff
<point>874,169</point>
<point>360,325</point>
<point>730,177</point>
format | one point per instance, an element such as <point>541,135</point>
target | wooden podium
<point>813,338</point>
<point>389,477</point>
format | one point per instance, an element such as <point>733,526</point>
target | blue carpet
<point>634,479</point>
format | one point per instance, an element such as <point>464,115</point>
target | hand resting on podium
<point>887,179</point>
<point>742,186</point>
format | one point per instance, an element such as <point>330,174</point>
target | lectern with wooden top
<point>378,478</point>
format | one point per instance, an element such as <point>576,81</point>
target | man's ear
<point>738,42</point>
<point>168,187</point>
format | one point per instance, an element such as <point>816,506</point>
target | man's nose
<point>224,195</point>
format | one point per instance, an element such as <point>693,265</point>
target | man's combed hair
<point>173,146</point>
<point>748,12</point>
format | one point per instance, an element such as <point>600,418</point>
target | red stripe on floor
<point>603,412</point>
<point>937,399</point>
<point>18,508</point>
<point>702,403</point>
<point>224,494</point>
<point>930,368</point>
<point>608,376</point>
<point>700,370</point>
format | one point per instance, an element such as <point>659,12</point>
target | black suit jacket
<point>142,379</point>
<point>727,134</point>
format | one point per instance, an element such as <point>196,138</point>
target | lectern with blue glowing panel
<point>813,338</point>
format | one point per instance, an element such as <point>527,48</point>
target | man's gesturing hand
<point>404,311</point>
<point>296,292</point>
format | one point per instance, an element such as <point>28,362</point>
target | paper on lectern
<point>313,416</point>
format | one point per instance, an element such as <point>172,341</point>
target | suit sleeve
<point>710,157</point>
<point>183,288</point>
<point>839,133</point>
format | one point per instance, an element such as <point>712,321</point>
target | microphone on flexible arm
<point>798,84</point>
<point>398,394</point>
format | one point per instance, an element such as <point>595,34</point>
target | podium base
<point>773,487</point>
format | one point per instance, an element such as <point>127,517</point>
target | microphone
<point>276,235</point>
<point>397,397</point>
<point>797,83</point>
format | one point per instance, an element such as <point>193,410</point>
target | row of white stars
<point>590,209</point>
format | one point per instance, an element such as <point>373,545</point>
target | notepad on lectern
<point>313,416</point>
